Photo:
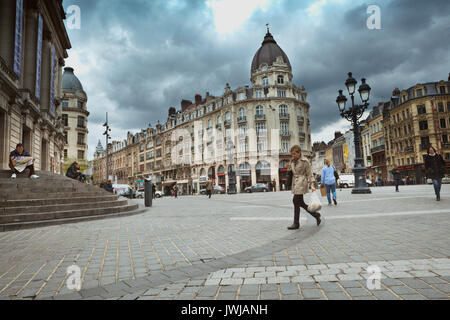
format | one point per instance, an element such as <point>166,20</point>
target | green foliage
<point>84,165</point>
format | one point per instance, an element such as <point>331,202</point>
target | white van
<point>346,180</point>
<point>124,190</point>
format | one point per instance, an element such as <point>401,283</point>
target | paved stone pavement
<point>237,247</point>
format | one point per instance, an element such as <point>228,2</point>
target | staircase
<point>55,199</point>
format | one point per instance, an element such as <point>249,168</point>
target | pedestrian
<point>209,188</point>
<point>328,178</point>
<point>397,178</point>
<point>175,191</point>
<point>301,177</point>
<point>435,170</point>
<point>379,183</point>
<point>19,161</point>
<point>153,191</point>
<point>274,184</point>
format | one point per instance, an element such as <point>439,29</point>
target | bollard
<point>148,194</point>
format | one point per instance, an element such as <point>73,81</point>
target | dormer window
<point>242,96</point>
<point>280,80</point>
<point>419,93</point>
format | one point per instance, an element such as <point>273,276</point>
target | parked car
<point>429,181</point>
<point>259,187</point>
<point>216,190</point>
<point>446,179</point>
<point>140,193</point>
<point>158,194</point>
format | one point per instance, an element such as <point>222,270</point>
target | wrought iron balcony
<point>284,116</point>
<point>227,123</point>
<point>242,119</point>
<point>377,149</point>
<point>302,135</point>
<point>260,117</point>
<point>286,133</point>
<point>300,119</point>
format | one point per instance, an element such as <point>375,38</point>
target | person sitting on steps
<point>74,172</point>
<point>19,161</point>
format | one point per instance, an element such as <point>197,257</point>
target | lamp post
<point>353,114</point>
<point>106,133</point>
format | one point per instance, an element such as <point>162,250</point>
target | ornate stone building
<point>75,119</point>
<point>34,44</point>
<point>237,139</point>
<point>412,120</point>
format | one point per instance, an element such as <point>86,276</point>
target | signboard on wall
<point>39,57</point>
<point>52,83</point>
<point>18,38</point>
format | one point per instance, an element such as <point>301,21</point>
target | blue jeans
<point>331,188</point>
<point>437,186</point>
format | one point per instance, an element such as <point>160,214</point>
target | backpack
<point>336,174</point>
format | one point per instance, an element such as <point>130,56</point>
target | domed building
<point>75,119</point>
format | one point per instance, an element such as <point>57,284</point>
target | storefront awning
<point>168,183</point>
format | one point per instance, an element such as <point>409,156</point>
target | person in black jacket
<point>16,154</point>
<point>435,169</point>
<point>74,172</point>
<point>397,178</point>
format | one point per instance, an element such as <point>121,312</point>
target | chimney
<point>337,134</point>
<point>185,104</point>
<point>198,99</point>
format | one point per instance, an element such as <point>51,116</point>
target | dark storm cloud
<point>148,55</point>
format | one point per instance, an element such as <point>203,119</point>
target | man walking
<point>435,169</point>
<point>328,179</point>
<point>209,188</point>
<point>19,161</point>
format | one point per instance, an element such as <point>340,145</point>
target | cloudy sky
<point>137,58</point>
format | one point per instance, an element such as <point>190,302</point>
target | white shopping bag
<point>314,205</point>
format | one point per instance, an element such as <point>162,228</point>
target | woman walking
<point>301,177</point>
<point>435,169</point>
<point>329,180</point>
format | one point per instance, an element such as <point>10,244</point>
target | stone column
<point>238,184</point>
<point>253,170</point>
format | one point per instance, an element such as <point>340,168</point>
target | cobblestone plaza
<point>237,247</point>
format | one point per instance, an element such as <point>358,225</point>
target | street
<point>237,247</point>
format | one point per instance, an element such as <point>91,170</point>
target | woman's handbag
<point>290,175</point>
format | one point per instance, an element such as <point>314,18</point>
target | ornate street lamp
<point>106,133</point>
<point>353,114</point>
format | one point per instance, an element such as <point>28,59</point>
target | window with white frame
<point>283,110</point>
<point>261,129</point>
<point>285,145</point>
<point>265,82</point>
<point>242,130</point>
<point>284,127</point>
<point>241,113</point>
<point>281,93</point>
<point>243,145</point>
<point>261,145</point>
<point>259,111</point>
<point>209,124</point>
<point>242,96</point>
<point>258,94</point>
<point>228,116</point>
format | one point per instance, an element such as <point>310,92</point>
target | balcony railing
<point>284,152</point>
<point>300,119</point>
<point>284,116</point>
<point>218,126</point>
<point>377,149</point>
<point>409,149</point>
<point>227,123</point>
<point>302,135</point>
<point>260,117</point>
<point>242,119</point>
<point>285,133</point>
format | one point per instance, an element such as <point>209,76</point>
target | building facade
<point>416,118</point>
<point>75,120</point>
<point>34,44</point>
<point>237,139</point>
<point>377,170</point>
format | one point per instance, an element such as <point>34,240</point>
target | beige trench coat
<point>302,176</point>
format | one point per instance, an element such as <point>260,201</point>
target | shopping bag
<point>323,191</point>
<point>314,202</point>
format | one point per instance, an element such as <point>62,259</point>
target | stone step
<point>20,218</point>
<point>47,202</point>
<point>6,174</point>
<point>60,207</point>
<point>52,195</point>
<point>46,223</point>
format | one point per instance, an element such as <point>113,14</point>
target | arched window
<point>280,80</point>
<point>283,164</point>
<point>241,113</point>
<point>259,110</point>
<point>244,166</point>
<point>262,165</point>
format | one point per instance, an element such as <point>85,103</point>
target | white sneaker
<point>14,176</point>
<point>34,177</point>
